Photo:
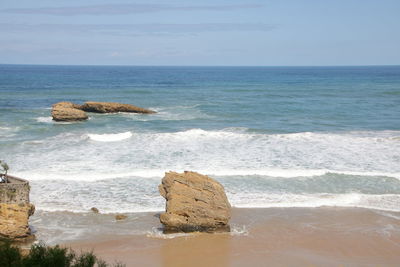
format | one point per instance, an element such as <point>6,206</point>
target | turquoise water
<point>273,136</point>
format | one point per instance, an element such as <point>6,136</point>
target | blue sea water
<point>273,136</point>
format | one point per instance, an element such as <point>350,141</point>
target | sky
<point>200,33</point>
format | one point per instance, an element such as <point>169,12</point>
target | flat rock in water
<point>67,111</point>
<point>110,107</point>
<point>195,202</point>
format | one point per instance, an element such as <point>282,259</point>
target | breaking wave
<point>110,137</point>
<point>354,169</point>
<point>228,152</point>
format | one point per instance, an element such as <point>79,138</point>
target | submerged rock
<point>120,217</point>
<point>195,202</point>
<point>15,209</point>
<point>110,107</point>
<point>67,111</point>
<point>95,210</point>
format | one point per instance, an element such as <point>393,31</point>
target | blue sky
<point>218,32</point>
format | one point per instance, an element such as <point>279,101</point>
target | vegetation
<point>4,168</point>
<point>41,255</point>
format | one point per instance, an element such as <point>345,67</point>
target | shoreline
<point>325,236</point>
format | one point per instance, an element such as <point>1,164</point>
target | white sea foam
<point>388,214</point>
<point>180,113</point>
<point>158,173</point>
<point>157,233</point>
<point>110,209</point>
<point>50,120</point>
<point>141,195</point>
<point>387,202</point>
<point>110,137</point>
<point>390,202</point>
<point>237,230</point>
<point>236,153</point>
<point>45,119</point>
<point>220,153</point>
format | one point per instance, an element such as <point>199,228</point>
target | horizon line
<point>126,65</point>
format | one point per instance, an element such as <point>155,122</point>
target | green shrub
<point>10,256</point>
<point>41,255</point>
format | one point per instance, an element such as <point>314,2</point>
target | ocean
<point>273,136</point>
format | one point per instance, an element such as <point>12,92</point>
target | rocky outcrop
<point>195,202</point>
<point>66,105</point>
<point>67,111</point>
<point>15,209</point>
<point>14,220</point>
<point>110,107</point>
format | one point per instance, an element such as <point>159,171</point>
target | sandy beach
<point>260,237</point>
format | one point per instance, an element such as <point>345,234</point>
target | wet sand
<point>260,237</point>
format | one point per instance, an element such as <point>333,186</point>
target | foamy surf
<point>173,113</point>
<point>49,120</point>
<point>375,202</point>
<point>157,233</point>
<point>110,137</point>
<point>253,167</point>
<point>45,119</point>
<point>159,173</point>
<point>386,202</point>
<point>141,195</point>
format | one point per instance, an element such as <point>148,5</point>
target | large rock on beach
<point>15,209</point>
<point>14,220</point>
<point>67,111</point>
<point>110,107</point>
<point>195,202</point>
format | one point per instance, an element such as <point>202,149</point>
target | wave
<point>6,132</point>
<point>159,173</point>
<point>135,194</point>
<point>174,113</point>
<point>390,215</point>
<point>229,152</point>
<point>49,120</point>
<point>385,202</point>
<point>66,202</point>
<point>157,233</point>
<point>110,137</point>
<point>45,119</point>
<point>294,173</point>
